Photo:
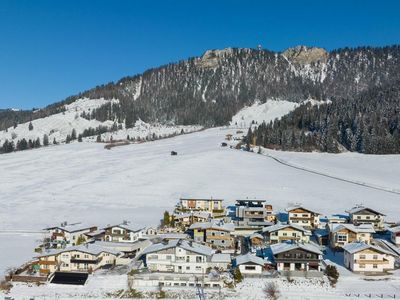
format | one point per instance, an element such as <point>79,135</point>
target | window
<point>341,237</point>
<point>250,268</point>
<point>362,256</point>
<point>294,234</point>
<point>358,217</point>
<point>362,266</point>
<point>375,266</point>
<point>199,259</point>
<point>305,215</point>
<point>375,256</point>
<point>187,268</point>
<point>168,256</point>
<point>223,242</point>
<point>198,268</point>
<point>284,233</point>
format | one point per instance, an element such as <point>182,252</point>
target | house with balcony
<point>362,257</point>
<point>83,258</point>
<point>299,215</point>
<point>342,234</point>
<point>365,215</point>
<point>395,235</point>
<point>67,235</point>
<point>215,234</point>
<point>178,256</point>
<point>297,258</point>
<point>123,233</point>
<point>211,205</point>
<point>253,213</point>
<point>285,232</point>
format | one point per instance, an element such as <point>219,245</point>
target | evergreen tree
<point>30,126</point>
<point>45,140</point>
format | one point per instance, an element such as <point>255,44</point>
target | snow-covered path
<point>85,182</point>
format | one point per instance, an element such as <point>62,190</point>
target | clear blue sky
<point>52,49</point>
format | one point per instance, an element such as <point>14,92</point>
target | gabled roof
<point>126,227</point>
<point>277,227</point>
<point>72,227</point>
<point>189,246</point>
<point>256,235</point>
<point>249,258</point>
<point>284,247</point>
<point>85,248</point>
<point>362,228</point>
<point>213,225</point>
<point>301,207</point>
<point>357,209</point>
<point>357,247</point>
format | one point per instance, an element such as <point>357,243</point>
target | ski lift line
<point>363,184</point>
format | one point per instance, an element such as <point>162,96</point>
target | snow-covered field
<point>265,112</point>
<point>85,182</point>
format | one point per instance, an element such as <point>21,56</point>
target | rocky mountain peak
<point>302,55</point>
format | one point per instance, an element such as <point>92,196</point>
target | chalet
<point>253,213</point>
<point>186,219</point>
<point>342,234</point>
<point>364,215</point>
<point>302,216</point>
<point>395,235</point>
<point>296,257</point>
<point>67,235</point>
<point>122,233</point>
<point>249,264</point>
<point>285,232</point>
<point>256,240</point>
<point>215,234</point>
<point>213,206</point>
<point>83,258</point>
<point>362,257</point>
<point>178,256</point>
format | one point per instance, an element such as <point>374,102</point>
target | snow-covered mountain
<point>211,89</point>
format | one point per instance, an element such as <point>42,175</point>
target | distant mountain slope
<point>209,90</point>
<point>370,123</point>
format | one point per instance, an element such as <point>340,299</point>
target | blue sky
<point>53,49</point>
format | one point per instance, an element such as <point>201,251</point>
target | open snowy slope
<point>85,182</point>
<point>266,112</point>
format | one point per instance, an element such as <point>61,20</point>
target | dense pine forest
<point>368,124</point>
<point>209,90</point>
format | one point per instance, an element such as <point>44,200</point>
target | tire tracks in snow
<point>363,184</point>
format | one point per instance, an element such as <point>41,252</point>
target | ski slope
<point>84,182</point>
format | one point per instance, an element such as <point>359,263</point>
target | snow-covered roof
<point>357,247</point>
<point>256,235</point>
<point>126,227</point>
<point>301,207</point>
<point>95,233</point>
<point>277,227</point>
<point>173,236</point>
<point>362,228</point>
<point>86,248</point>
<point>189,246</point>
<point>249,258</point>
<point>198,214</point>
<point>213,225</point>
<point>221,258</point>
<point>72,227</point>
<point>394,229</point>
<point>284,247</point>
<point>357,209</point>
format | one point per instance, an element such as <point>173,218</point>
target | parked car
<point>174,153</point>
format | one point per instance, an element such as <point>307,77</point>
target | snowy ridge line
<point>20,231</point>
<point>364,184</point>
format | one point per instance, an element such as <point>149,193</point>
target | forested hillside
<point>210,89</point>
